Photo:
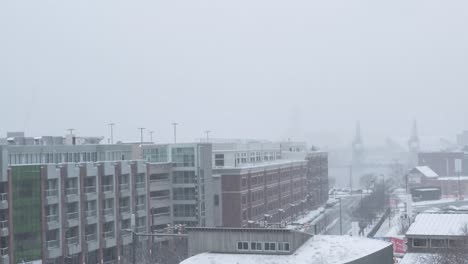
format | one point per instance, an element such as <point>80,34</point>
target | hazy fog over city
<point>242,69</point>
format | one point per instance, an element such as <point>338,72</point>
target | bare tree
<point>367,180</point>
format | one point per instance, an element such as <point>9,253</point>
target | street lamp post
<point>111,125</point>
<point>175,131</point>
<point>141,134</point>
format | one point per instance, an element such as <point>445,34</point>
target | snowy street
<point>329,222</point>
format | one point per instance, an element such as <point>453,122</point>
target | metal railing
<point>71,191</point>
<point>107,188</point>
<point>91,237</point>
<point>158,198</point>
<point>52,218</point>
<point>91,213</point>
<point>51,192</point>
<point>108,234</point>
<point>4,251</point>
<point>108,211</point>
<point>125,209</point>
<point>52,244</point>
<point>140,229</point>
<point>72,216</point>
<point>90,189</point>
<point>140,207</point>
<point>140,185</point>
<point>72,240</point>
<point>3,197</point>
<point>124,186</point>
<point>3,224</point>
<point>162,214</point>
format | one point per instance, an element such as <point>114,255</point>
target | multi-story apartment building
<point>62,202</point>
<point>73,212</point>
<point>263,182</point>
<point>180,179</point>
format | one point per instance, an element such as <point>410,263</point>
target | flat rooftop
<point>318,249</point>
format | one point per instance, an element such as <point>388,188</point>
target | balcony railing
<point>108,234</point>
<point>4,251</point>
<point>72,216</point>
<point>71,191</point>
<point>140,207</point>
<point>140,229</point>
<point>108,211</point>
<point>51,192</point>
<point>52,244</point>
<point>125,209</point>
<point>3,224</point>
<point>110,262</point>
<point>3,197</point>
<point>90,189</point>
<point>107,188</point>
<point>162,214</point>
<point>158,198</point>
<point>140,185</point>
<point>91,213</point>
<point>91,237</point>
<point>124,186</point>
<point>72,240</point>
<point>52,218</point>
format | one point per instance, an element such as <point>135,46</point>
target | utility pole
<point>111,125</point>
<point>141,134</point>
<point>151,136</point>
<point>207,132</point>
<point>458,169</point>
<point>341,222</point>
<point>175,132</point>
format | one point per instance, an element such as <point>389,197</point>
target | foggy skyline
<point>305,70</point>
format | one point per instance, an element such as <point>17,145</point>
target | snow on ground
<point>309,217</point>
<point>416,258</point>
<point>318,249</point>
<point>391,229</point>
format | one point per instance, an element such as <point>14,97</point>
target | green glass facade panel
<point>27,213</point>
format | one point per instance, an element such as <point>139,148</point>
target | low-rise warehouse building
<point>266,246</point>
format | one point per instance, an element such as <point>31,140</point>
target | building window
<point>270,246</point>
<point>283,246</point>
<point>419,243</point>
<point>219,160</point>
<point>242,245</point>
<point>216,200</point>
<point>256,246</point>
<point>244,182</point>
<point>438,243</point>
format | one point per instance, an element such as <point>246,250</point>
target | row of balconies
<point>53,220</point>
<point>3,201</point>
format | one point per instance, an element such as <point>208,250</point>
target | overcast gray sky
<point>257,69</point>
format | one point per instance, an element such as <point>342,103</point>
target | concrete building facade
<point>181,176</point>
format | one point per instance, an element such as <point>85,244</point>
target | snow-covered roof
<point>426,171</point>
<point>318,249</point>
<point>438,225</point>
<point>453,178</point>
